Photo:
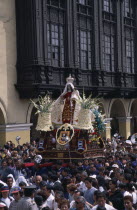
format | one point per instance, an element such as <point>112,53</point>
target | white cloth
<point>7,201</point>
<point>82,187</point>
<point>11,176</point>
<point>1,182</point>
<point>108,207</point>
<point>21,179</point>
<point>56,114</point>
<point>49,202</point>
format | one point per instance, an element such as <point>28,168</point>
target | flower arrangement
<point>99,125</point>
<point>87,103</point>
<point>44,104</point>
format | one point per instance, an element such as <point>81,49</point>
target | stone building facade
<point>43,41</point>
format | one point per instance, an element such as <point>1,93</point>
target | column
<point>124,126</point>
<point>107,132</point>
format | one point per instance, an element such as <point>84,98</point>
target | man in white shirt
<point>50,198</point>
<point>5,196</point>
<point>101,203</point>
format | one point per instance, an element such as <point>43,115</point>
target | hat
<point>2,204</point>
<point>115,166</point>
<point>93,176</point>
<point>4,189</point>
<point>128,142</point>
<point>31,187</point>
<point>15,189</point>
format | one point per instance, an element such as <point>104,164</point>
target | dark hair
<point>101,208</point>
<point>60,193</point>
<point>128,177</point>
<point>89,179</point>
<point>100,195</point>
<point>28,193</point>
<point>46,208</point>
<point>130,187</point>
<point>114,181</point>
<point>39,200</point>
<point>22,184</point>
<point>122,185</point>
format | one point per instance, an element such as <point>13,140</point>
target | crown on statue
<point>70,79</point>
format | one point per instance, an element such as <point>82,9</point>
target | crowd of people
<point>30,182</point>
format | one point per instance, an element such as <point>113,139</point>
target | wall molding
<point>15,127</point>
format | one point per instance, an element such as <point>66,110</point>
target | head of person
<point>64,205</point>
<point>80,202</point>
<point>22,185</point>
<point>127,178</point>
<point>65,172</point>
<point>46,190</point>
<point>39,200</point>
<point>112,184</point>
<point>71,188</point>
<point>59,195</point>
<point>86,162</point>
<point>5,191</point>
<point>4,163</point>
<point>9,182</point>
<point>101,199</point>
<point>122,187</point>
<point>95,195</point>
<point>88,182</point>
<point>110,159</point>
<point>70,88</point>
<point>115,167</point>
<point>18,163</point>
<point>128,202</point>
<point>77,193</point>
<point>29,191</point>
<point>38,179</point>
<point>16,193</point>
<point>84,175</point>
<point>80,163</point>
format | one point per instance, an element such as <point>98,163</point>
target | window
<point>129,8</point>
<point>84,33</point>
<point>129,56</point>
<point>108,53</point>
<point>55,33</point>
<point>82,2</point>
<point>84,49</point>
<point>108,6</point>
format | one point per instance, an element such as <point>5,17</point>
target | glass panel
<point>106,5</point>
<point>108,53</point>
<point>130,56</point>
<point>82,2</point>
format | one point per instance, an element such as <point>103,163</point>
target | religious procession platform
<point>70,126</point>
<point>61,154</point>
